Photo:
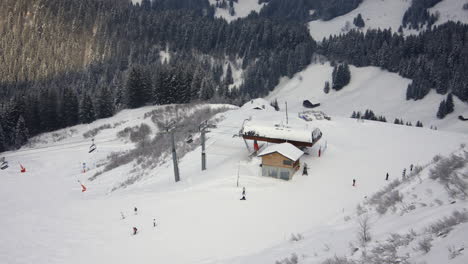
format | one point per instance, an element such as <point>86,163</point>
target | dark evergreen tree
<point>70,108</point>
<point>341,76</point>
<point>442,111</point>
<point>228,79</point>
<point>358,21</point>
<point>105,104</point>
<point>87,113</point>
<point>419,124</point>
<point>3,143</point>
<point>326,88</point>
<point>138,88</point>
<point>449,106</point>
<point>21,133</point>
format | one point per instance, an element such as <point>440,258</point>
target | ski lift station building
<point>280,160</point>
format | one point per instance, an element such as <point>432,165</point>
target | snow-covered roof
<point>286,149</point>
<point>280,132</point>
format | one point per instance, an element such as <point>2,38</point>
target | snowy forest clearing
<point>48,219</point>
<point>370,88</point>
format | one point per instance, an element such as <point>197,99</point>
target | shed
<point>280,160</point>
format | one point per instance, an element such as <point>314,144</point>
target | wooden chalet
<point>280,161</point>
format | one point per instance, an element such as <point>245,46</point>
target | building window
<point>287,162</point>
<point>284,175</point>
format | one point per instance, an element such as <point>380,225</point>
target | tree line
<point>435,59</point>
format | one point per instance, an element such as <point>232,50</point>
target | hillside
<point>370,88</point>
<point>375,13</point>
<point>200,219</point>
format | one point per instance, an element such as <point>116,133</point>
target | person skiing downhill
<point>135,230</point>
<point>154,222</point>
<point>135,210</point>
<point>243,193</point>
<point>411,167</point>
<point>386,177</point>
<point>354,182</point>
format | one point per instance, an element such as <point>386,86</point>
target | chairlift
<point>189,139</point>
<point>4,164</point>
<point>92,147</point>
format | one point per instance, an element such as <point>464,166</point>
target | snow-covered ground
<point>450,10</point>
<point>45,217</point>
<point>376,14</point>
<point>242,9</point>
<point>370,88</point>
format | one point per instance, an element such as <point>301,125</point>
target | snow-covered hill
<point>47,219</point>
<point>376,14</point>
<point>450,10</point>
<point>370,88</point>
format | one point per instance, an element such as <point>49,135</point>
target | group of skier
<point>135,229</point>
<point>387,175</point>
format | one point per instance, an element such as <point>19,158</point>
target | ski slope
<point>370,88</point>
<point>47,219</point>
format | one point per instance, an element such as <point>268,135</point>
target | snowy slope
<point>424,203</point>
<point>47,219</point>
<point>370,88</point>
<point>242,9</point>
<point>450,10</point>
<point>376,14</point>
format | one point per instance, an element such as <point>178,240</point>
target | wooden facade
<point>278,166</point>
<point>277,160</point>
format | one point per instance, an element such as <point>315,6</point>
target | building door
<point>284,174</point>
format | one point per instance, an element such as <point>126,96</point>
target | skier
<point>386,177</point>
<point>135,230</point>
<point>304,172</point>
<point>354,182</point>
<point>411,167</point>
<point>154,222</point>
<point>135,210</point>
<point>243,193</point>
<point>320,151</point>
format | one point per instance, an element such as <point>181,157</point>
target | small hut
<point>280,161</point>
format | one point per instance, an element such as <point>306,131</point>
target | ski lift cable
<point>54,147</point>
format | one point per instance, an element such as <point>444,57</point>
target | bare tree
<point>364,235</point>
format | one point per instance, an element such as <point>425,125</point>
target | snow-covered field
<point>376,14</point>
<point>242,9</point>
<point>450,10</point>
<point>47,219</point>
<point>370,88</point>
